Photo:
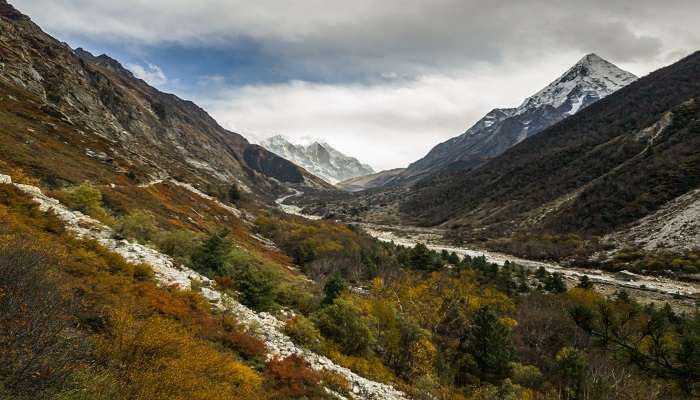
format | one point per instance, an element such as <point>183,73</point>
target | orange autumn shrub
<point>290,378</point>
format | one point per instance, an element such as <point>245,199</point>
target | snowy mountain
<point>319,158</point>
<point>589,80</point>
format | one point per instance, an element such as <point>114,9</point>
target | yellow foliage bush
<point>161,359</point>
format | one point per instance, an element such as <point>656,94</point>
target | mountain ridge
<point>158,134</point>
<point>589,80</point>
<point>618,160</point>
<point>319,158</point>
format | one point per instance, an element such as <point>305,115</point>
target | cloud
<point>381,80</point>
<point>150,73</point>
<point>387,124</point>
<point>336,39</point>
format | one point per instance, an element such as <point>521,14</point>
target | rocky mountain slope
<point>321,159</point>
<point>370,181</point>
<point>169,274</point>
<point>613,163</point>
<point>107,114</point>
<point>589,80</point>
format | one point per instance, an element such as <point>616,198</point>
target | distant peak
<point>103,60</point>
<point>318,144</point>
<point>277,139</point>
<point>592,60</point>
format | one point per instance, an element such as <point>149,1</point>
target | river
<point>409,237</point>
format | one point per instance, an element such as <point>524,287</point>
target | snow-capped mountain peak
<point>589,80</point>
<point>319,158</point>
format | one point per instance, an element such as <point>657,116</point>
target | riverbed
<point>650,288</point>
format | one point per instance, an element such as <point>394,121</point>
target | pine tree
<point>258,288</point>
<point>334,287</point>
<point>585,283</point>
<point>234,194</point>
<point>486,349</point>
<point>420,257</point>
<point>211,256</point>
<point>453,258</point>
<point>555,283</point>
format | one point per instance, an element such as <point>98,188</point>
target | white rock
<point>267,327</point>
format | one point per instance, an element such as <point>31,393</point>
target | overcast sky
<point>380,80</point>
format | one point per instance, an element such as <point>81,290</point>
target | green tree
<point>258,288</point>
<point>333,288</point>
<point>571,367</point>
<point>486,348</point>
<point>555,283</point>
<point>303,254</point>
<point>234,194</point>
<point>453,258</point>
<point>344,323</point>
<point>420,257</point>
<point>656,340</point>
<point>541,274</point>
<point>211,256</point>
<point>585,283</point>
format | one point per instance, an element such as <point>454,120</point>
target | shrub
<point>159,358</point>
<point>36,352</point>
<point>303,332</point>
<point>179,244</point>
<point>139,225</point>
<point>143,272</point>
<point>85,198</point>
<point>290,378</point>
<point>343,323</point>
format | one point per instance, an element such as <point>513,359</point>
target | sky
<point>383,81</point>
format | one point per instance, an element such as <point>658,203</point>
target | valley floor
<point>648,289</point>
<point>645,288</point>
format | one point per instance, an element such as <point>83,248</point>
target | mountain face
<point>109,114</point>
<point>320,159</point>
<point>370,181</point>
<point>596,172</point>
<point>588,81</point>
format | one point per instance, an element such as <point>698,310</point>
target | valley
<point>151,250</point>
<point>652,289</point>
<point>649,289</point>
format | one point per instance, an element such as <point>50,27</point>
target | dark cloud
<point>348,40</point>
